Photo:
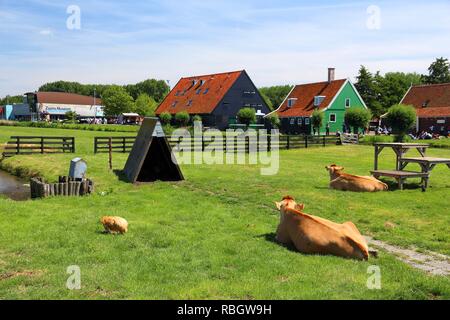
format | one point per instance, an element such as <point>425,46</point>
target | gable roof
<point>66,98</point>
<point>305,93</point>
<point>189,93</point>
<point>436,97</point>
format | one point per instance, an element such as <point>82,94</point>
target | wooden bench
<point>401,176</point>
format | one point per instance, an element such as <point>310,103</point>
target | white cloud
<point>46,32</point>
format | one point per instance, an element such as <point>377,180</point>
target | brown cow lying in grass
<point>314,235</point>
<point>347,182</point>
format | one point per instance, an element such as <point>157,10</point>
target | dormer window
<point>318,100</point>
<point>174,104</point>
<point>425,104</point>
<point>291,102</point>
<point>189,103</point>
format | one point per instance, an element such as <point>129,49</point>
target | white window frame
<point>291,102</point>
<point>335,118</point>
<point>349,100</point>
<point>317,98</point>
<point>307,121</point>
<point>292,121</point>
<point>300,121</point>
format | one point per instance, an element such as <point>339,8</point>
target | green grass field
<point>212,236</point>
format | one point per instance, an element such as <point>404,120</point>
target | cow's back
<point>312,235</point>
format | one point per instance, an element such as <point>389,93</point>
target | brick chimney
<point>331,74</point>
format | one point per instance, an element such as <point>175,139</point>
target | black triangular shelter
<point>151,157</point>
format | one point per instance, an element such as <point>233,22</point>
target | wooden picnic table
<point>400,149</point>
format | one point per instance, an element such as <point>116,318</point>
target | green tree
<point>182,118</point>
<point>117,101</point>
<point>165,118</point>
<point>402,119</point>
<point>267,101</point>
<point>275,95</point>
<point>358,118</point>
<point>247,116</point>
<point>197,118</point>
<point>367,87</point>
<point>438,72</point>
<point>157,89</point>
<point>317,120</point>
<point>274,120</point>
<point>11,100</point>
<point>71,116</point>
<point>392,88</point>
<point>146,105</point>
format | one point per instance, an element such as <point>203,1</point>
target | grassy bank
<point>212,236</point>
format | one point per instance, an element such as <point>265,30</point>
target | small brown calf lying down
<point>347,182</point>
<point>314,235</point>
<point>115,225</point>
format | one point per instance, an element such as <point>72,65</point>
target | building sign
<point>441,121</point>
<point>57,110</point>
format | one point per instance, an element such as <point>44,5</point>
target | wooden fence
<point>66,186</point>
<point>117,144</point>
<point>26,145</point>
<point>125,144</point>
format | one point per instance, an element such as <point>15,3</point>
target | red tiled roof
<point>66,98</point>
<point>184,96</point>
<point>436,98</point>
<point>305,93</point>
<point>435,112</point>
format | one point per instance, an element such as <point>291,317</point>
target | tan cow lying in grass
<point>347,182</point>
<point>314,235</point>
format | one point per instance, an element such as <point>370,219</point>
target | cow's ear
<point>278,204</point>
<point>300,207</point>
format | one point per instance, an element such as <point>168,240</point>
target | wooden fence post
<point>95,145</point>
<point>18,145</point>
<point>324,141</point>
<point>124,146</point>
<point>110,153</point>
<point>42,145</point>
<point>306,141</point>
<point>288,145</point>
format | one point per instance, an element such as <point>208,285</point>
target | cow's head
<point>289,203</point>
<point>334,168</point>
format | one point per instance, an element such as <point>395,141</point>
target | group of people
<point>383,131</point>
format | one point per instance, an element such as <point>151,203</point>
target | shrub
<point>182,118</point>
<point>71,116</point>
<point>247,116</point>
<point>165,118</point>
<point>358,118</point>
<point>401,118</point>
<point>197,118</point>
<point>274,120</point>
<point>317,120</point>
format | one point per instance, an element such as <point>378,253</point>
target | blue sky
<point>277,42</point>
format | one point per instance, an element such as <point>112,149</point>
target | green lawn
<point>212,236</point>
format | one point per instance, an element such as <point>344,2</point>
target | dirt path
<point>430,262</point>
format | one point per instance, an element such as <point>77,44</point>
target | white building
<point>55,105</point>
